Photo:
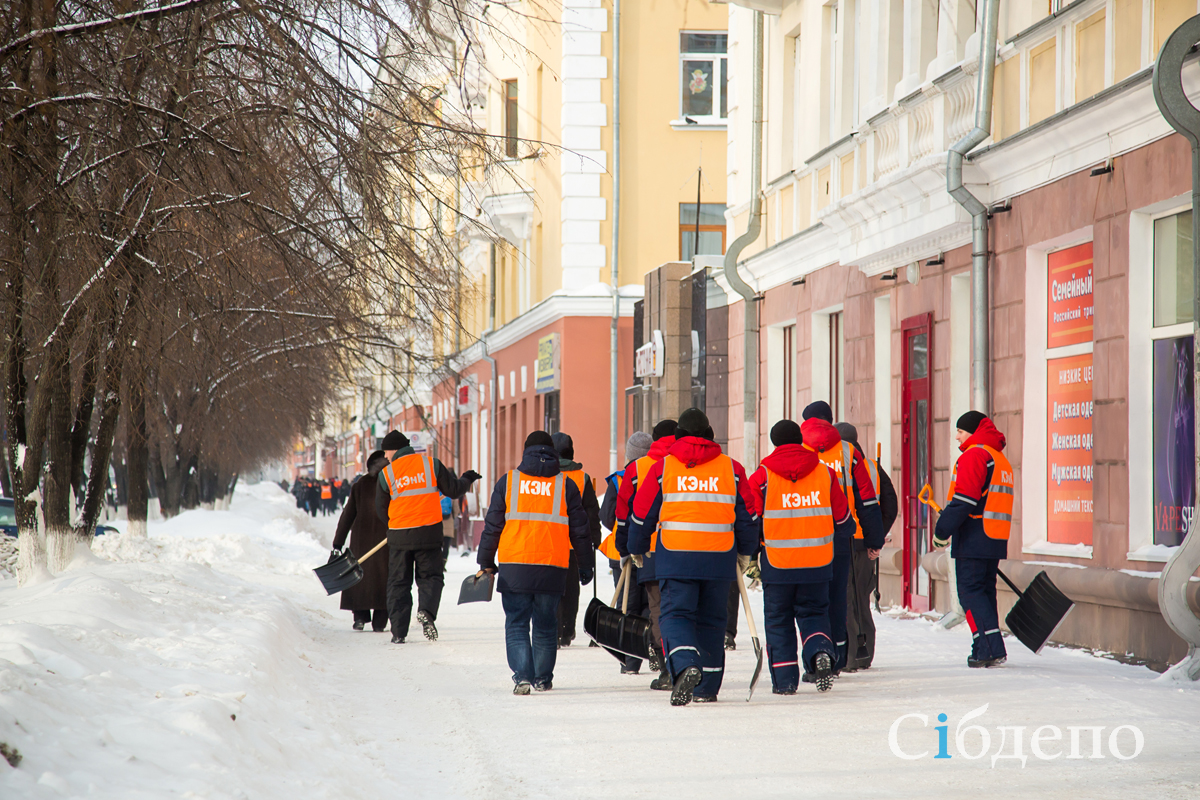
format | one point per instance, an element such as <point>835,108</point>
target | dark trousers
<point>403,566</point>
<point>787,606</point>
<point>568,606</point>
<point>837,598</point>
<point>860,627</point>
<point>977,593</point>
<point>364,616</point>
<point>693,629</point>
<point>731,610</point>
<point>445,550</point>
<point>654,607</point>
<point>531,659</point>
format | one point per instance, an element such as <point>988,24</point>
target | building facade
<point>863,274</point>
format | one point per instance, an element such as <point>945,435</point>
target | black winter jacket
<point>590,504</point>
<point>426,537</point>
<point>540,461</point>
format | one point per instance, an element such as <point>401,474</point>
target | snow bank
<point>205,661</point>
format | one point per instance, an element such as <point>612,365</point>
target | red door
<point>917,335</point>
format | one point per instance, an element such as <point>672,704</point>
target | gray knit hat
<point>638,445</point>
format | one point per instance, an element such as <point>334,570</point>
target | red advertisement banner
<point>1070,312</point>
<point>1069,450</point>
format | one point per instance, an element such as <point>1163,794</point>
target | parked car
<point>8,520</point>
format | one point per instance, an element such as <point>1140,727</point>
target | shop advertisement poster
<point>1174,442</point>
<point>1072,306</point>
<point>1069,450</point>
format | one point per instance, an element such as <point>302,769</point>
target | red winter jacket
<point>819,435</point>
<point>794,461</point>
<point>629,487</point>
<point>955,523</point>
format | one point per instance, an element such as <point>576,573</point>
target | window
<point>1174,418</point>
<point>837,374</point>
<point>709,221</point>
<point>510,119</point>
<point>788,378</point>
<point>550,412</point>
<point>703,76</point>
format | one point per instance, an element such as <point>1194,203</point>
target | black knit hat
<point>394,441</point>
<point>969,421</point>
<point>786,432</point>
<point>538,438</point>
<point>848,432</point>
<point>692,422</point>
<point>664,429</point>
<point>563,444</point>
<point>820,409</point>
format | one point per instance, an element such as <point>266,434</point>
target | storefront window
<point>1173,269</point>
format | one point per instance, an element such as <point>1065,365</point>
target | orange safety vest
<point>609,547</point>
<point>579,478</point>
<point>643,465</point>
<point>842,462</point>
<point>699,505</point>
<point>873,474</point>
<point>415,502</point>
<point>798,520</point>
<point>536,529</point>
<point>998,496</point>
<point>326,492</point>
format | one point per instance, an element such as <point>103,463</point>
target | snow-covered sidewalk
<point>207,662</point>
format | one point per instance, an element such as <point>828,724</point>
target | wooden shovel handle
<point>373,550</point>
<point>620,583</point>
<point>746,605</point>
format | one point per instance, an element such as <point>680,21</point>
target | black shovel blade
<point>340,574</point>
<point>1038,612</point>
<point>616,632</point>
<point>758,654</point>
<point>477,589</point>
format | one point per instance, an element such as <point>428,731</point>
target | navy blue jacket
<point>540,461</point>
<point>974,475</point>
<point>690,565</point>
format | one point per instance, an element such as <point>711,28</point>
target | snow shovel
<point>620,633</point>
<point>477,588</point>
<point>1039,610</point>
<point>758,650</point>
<point>344,571</point>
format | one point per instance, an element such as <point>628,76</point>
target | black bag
<point>477,589</point>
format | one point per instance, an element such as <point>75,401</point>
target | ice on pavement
<point>206,662</point>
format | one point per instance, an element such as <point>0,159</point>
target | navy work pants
<point>977,594</point>
<point>531,661</point>
<point>692,620</point>
<point>787,606</point>
<point>837,597</point>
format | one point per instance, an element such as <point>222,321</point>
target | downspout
<point>980,350</point>
<point>491,363</point>
<point>616,225</point>
<point>750,364</point>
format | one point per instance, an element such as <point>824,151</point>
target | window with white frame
<point>703,76</point>
<point>1173,417</point>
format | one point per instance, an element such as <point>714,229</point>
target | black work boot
<point>681,693</point>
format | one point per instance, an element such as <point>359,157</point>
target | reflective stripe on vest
<point>536,529</point>
<point>873,474</point>
<point>997,497</point>
<point>798,520</point>
<point>643,468</point>
<point>842,462</point>
<point>415,499</point>
<point>699,505</point>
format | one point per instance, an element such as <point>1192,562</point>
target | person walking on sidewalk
<point>860,626</point>
<point>802,508</point>
<point>408,500</point>
<point>365,529</point>
<point>637,446</point>
<point>534,521</point>
<point>568,608</point>
<point>709,529</point>
<point>976,523</point>
<point>821,437</point>
<point>643,573</point>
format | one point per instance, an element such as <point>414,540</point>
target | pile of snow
<point>206,661</point>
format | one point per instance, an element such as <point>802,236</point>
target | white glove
<point>743,563</point>
<point>637,561</point>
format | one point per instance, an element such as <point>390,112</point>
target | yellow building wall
<point>1127,38</point>
<point>544,59</point>
<point>658,164</point>
<point>1089,56</point>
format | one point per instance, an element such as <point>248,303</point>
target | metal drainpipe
<point>616,224</point>
<point>750,366</point>
<point>492,363</point>
<point>979,213</point>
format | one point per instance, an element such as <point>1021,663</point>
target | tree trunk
<point>60,534</point>
<point>136,467</point>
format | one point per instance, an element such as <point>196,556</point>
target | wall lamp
<point>1104,170</point>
